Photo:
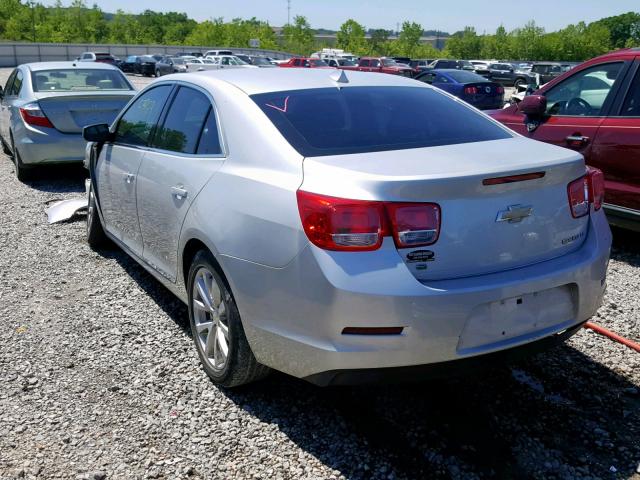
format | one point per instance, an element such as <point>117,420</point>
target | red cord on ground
<point>614,336</point>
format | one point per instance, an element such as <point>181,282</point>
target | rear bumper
<point>48,145</point>
<point>294,316</point>
<point>452,368</point>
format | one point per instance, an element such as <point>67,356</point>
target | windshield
<point>346,63</point>
<point>104,56</point>
<point>148,58</point>
<point>331,121</point>
<point>389,62</point>
<point>463,76</point>
<point>177,60</point>
<point>78,80</point>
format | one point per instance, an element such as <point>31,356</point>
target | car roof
<point>39,66</point>
<point>255,81</point>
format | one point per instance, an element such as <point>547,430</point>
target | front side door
<point>186,151</point>
<point>576,107</point>
<point>5,113</point>
<point>119,162</point>
<point>616,150</point>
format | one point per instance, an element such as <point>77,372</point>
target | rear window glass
<point>78,80</point>
<point>333,121</point>
<point>462,76</point>
<point>103,56</point>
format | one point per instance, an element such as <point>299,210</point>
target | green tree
<point>298,38</point>
<point>409,38</point>
<point>351,37</point>
<point>379,42</point>
<point>209,33</point>
<point>624,29</point>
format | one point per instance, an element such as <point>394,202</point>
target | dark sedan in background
<point>145,65</point>
<point>468,86</point>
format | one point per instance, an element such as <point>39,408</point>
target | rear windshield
<point>103,56</point>
<point>333,121</point>
<point>462,76</point>
<point>78,80</point>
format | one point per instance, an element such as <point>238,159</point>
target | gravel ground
<point>99,379</point>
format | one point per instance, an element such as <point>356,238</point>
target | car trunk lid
<point>71,112</point>
<point>486,225</point>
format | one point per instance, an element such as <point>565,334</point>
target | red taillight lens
<point>414,224</point>
<point>578,191</point>
<point>338,224</point>
<point>500,90</point>
<point>596,187</point>
<point>471,90</point>
<point>359,225</point>
<point>33,115</point>
<point>585,191</point>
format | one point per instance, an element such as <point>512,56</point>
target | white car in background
<point>229,61</point>
<point>200,65</point>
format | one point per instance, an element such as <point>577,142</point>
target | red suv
<point>301,62</point>
<point>595,110</point>
<point>384,65</point>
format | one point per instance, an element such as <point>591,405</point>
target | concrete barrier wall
<point>12,54</point>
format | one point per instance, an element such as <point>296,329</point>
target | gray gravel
<point>99,379</point>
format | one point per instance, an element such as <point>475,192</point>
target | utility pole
<point>32,4</point>
<point>288,12</point>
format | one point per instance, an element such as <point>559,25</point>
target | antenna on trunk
<point>339,77</point>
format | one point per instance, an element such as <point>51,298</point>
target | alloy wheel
<point>210,318</point>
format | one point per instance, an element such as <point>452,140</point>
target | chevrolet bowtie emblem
<point>514,213</point>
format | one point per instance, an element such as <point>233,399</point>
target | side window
<point>183,124</point>
<point>631,105</point>
<point>296,62</point>
<point>17,84</point>
<point>441,79</point>
<point>427,78</point>
<point>364,63</point>
<point>9,84</point>
<point>375,63</point>
<point>137,124</point>
<point>584,93</point>
<point>209,139</point>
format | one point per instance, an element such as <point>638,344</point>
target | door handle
<point>179,192</point>
<point>577,140</point>
<point>129,177</point>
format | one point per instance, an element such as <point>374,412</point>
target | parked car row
<point>383,228</point>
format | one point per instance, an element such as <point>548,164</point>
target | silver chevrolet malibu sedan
<point>44,107</point>
<point>347,227</point>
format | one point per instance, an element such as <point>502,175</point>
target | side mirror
<point>96,133</point>
<point>533,105</point>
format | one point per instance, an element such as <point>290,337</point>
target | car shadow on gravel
<point>556,414</point>
<point>58,178</point>
<point>626,246</point>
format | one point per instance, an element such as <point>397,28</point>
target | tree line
<point>79,23</point>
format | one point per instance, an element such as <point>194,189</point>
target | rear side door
<point>577,106</point>
<point>119,162</point>
<point>363,65</point>
<point>186,152</point>
<point>616,149</point>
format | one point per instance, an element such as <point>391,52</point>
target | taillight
<point>414,224</point>
<point>470,90</point>
<point>33,115</point>
<point>359,225</point>
<point>596,187</point>
<point>585,191</point>
<point>500,90</point>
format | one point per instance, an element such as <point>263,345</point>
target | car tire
<point>157,73</point>
<point>206,288</point>
<point>518,82</point>
<point>96,237</point>
<point>23,173</point>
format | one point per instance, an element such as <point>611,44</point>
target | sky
<point>448,16</point>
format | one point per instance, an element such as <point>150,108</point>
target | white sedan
<point>229,61</point>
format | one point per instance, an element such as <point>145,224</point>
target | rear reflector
<point>359,225</point>
<point>513,178</point>
<point>33,115</point>
<point>372,330</point>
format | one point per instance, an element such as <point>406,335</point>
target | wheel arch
<point>190,250</point>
